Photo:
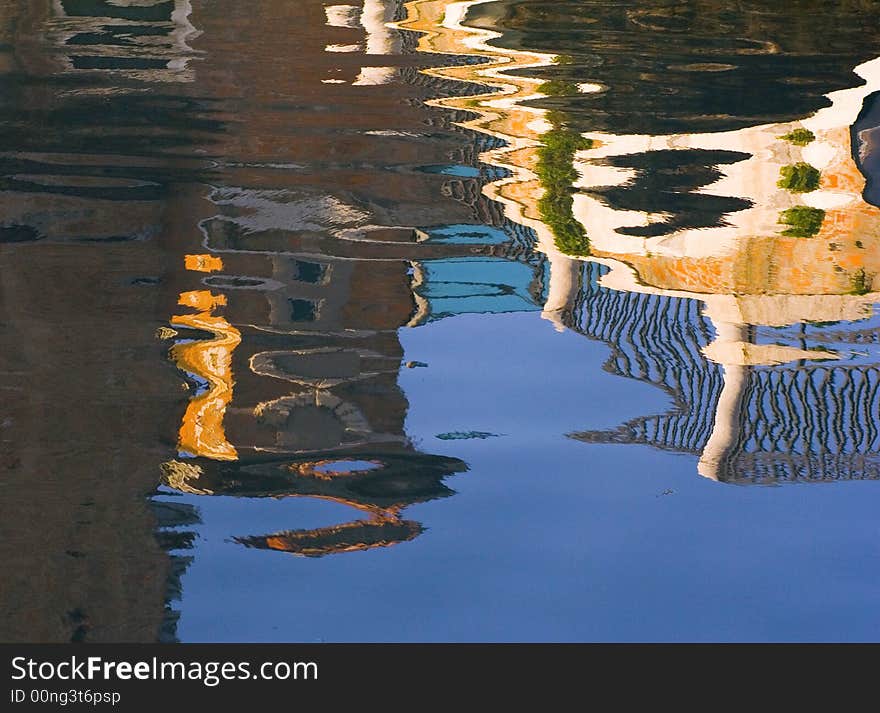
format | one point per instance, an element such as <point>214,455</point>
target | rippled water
<point>452,321</point>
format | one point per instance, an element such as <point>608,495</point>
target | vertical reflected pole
<point>564,287</point>
<point>728,411</point>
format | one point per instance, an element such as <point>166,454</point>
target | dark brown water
<point>294,347</point>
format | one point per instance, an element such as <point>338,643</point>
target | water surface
<point>439,321</point>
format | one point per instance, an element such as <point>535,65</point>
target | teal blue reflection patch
<point>466,234</point>
<point>485,285</point>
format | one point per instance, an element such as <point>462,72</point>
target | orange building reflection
<point>794,243</point>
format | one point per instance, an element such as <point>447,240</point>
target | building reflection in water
<point>732,267</point>
<point>277,234</point>
<point>281,286</point>
<point>688,292</point>
<point>293,292</point>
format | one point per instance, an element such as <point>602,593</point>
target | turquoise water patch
<point>467,234</point>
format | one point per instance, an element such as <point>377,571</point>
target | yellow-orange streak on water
<point>499,111</point>
<point>203,263</point>
<point>202,300</point>
<point>202,432</point>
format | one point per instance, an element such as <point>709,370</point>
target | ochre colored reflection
<point>203,300</point>
<point>202,432</point>
<point>383,528</point>
<point>203,263</point>
<point>499,110</point>
<point>354,536</point>
<point>832,252</point>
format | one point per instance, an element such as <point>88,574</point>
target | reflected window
<point>311,272</point>
<point>303,310</point>
<point>158,12</point>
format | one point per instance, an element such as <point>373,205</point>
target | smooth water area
<point>439,321</point>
